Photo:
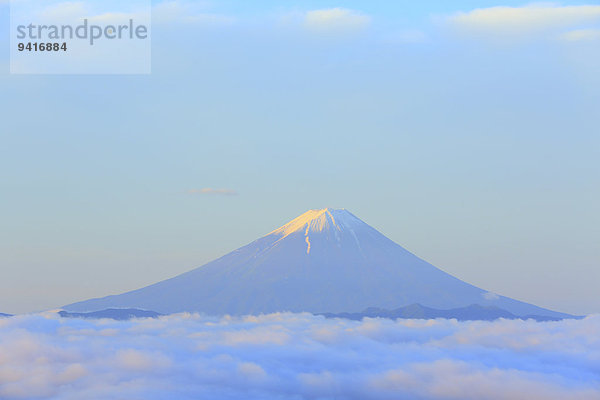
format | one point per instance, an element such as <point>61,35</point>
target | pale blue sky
<point>473,144</point>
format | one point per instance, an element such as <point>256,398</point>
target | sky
<point>465,131</point>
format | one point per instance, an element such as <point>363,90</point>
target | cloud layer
<point>297,356</point>
<point>526,21</point>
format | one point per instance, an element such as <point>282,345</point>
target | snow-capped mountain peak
<point>319,220</point>
<point>327,221</point>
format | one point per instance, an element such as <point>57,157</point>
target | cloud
<point>490,296</point>
<point>210,191</point>
<point>448,379</point>
<point>190,12</point>
<point>335,20</point>
<point>73,12</point>
<point>580,35</point>
<point>142,361</point>
<point>526,21</point>
<point>280,356</point>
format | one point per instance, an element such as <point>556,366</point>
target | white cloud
<point>525,21</point>
<point>335,20</point>
<point>140,361</point>
<point>449,379</point>
<point>281,356</point>
<point>210,191</point>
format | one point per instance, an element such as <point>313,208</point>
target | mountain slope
<point>323,261</point>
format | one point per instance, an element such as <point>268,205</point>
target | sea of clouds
<point>297,356</point>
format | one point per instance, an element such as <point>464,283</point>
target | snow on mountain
<point>323,261</point>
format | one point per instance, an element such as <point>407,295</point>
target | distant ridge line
<point>474,312</point>
<point>119,314</point>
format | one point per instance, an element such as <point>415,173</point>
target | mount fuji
<point>324,261</point>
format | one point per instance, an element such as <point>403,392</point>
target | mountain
<point>5,315</point>
<point>119,314</point>
<point>323,261</point>
<point>474,312</point>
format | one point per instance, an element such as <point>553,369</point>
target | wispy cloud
<point>191,12</point>
<point>281,356</point>
<point>211,191</point>
<point>581,35</point>
<point>524,22</point>
<point>490,296</point>
<point>330,21</point>
<point>336,19</point>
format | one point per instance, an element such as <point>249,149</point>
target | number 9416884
<point>42,46</point>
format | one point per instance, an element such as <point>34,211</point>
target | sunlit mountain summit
<point>324,261</point>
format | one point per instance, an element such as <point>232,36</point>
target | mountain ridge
<point>473,312</point>
<point>119,314</point>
